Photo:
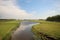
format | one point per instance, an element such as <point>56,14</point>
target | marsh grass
<point>6,28</point>
<point>51,29</point>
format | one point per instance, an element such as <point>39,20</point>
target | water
<point>24,31</point>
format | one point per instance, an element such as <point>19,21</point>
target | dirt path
<point>24,31</point>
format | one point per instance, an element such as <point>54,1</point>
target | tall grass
<point>45,28</point>
<point>6,28</point>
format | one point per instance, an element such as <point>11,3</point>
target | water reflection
<point>24,31</point>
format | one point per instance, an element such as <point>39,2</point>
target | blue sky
<point>29,9</point>
<point>40,7</point>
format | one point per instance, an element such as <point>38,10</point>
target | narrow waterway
<point>24,31</point>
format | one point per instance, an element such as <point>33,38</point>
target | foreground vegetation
<point>7,27</point>
<point>46,30</point>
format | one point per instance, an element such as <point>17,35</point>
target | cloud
<point>56,9</point>
<point>50,13</point>
<point>9,10</point>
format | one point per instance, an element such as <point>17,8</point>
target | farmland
<point>6,28</point>
<point>46,30</point>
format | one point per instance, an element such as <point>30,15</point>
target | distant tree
<point>7,19</point>
<point>54,18</point>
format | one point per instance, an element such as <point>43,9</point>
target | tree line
<point>7,19</point>
<point>54,18</point>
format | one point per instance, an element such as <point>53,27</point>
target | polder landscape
<point>48,29</point>
<point>29,19</point>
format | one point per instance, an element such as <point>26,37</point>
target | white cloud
<point>50,13</point>
<point>9,9</point>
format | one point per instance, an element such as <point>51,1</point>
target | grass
<point>6,28</point>
<point>52,29</point>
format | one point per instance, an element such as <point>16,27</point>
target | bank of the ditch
<point>24,31</point>
<point>46,31</point>
<point>7,28</point>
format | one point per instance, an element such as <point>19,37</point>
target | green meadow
<point>7,27</point>
<point>46,30</point>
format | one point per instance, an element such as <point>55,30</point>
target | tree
<point>54,18</point>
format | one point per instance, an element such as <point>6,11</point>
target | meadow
<point>7,27</point>
<point>46,30</point>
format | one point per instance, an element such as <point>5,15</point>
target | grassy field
<point>46,30</point>
<point>6,28</point>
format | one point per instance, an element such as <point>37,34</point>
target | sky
<point>29,9</point>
